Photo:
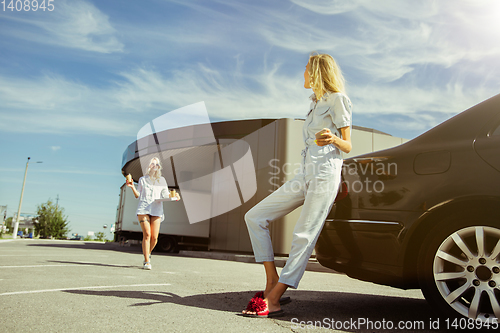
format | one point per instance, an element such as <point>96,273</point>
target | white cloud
<point>223,92</point>
<point>43,93</point>
<point>55,148</point>
<point>53,104</point>
<point>143,94</point>
<point>388,39</point>
<point>392,50</point>
<point>76,24</point>
<point>328,7</point>
<point>407,108</point>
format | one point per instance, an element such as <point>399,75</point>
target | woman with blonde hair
<point>149,211</point>
<point>326,132</point>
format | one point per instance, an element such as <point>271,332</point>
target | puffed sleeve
<point>139,185</point>
<point>341,111</point>
<point>163,182</point>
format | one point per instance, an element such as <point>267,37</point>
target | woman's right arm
<point>132,186</point>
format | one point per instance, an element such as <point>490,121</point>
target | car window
<point>496,131</point>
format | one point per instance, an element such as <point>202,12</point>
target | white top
<point>148,193</point>
<point>332,111</point>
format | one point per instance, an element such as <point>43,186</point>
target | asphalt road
<point>71,286</point>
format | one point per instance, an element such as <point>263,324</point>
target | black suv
<point>426,214</point>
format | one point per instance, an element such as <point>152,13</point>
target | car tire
<point>168,244</point>
<point>459,267</point>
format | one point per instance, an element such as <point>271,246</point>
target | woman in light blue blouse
<point>326,132</point>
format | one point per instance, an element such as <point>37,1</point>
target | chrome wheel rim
<point>466,271</point>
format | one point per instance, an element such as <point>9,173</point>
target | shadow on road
<point>88,246</point>
<point>110,246</point>
<point>307,306</point>
<point>93,264</point>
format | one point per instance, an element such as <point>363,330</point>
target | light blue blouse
<point>148,193</point>
<point>333,111</point>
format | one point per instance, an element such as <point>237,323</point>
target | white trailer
<point>175,231</point>
<point>195,151</point>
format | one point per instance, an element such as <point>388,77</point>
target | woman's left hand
<point>324,137</point>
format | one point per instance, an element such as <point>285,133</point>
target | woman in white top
<point>149,211</point>
<point>326,132</point>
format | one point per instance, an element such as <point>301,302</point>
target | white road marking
<point>48,255</point>
<point>80,288</point>
<point>36,266</point>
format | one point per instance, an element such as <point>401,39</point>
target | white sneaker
<point>147,265</point>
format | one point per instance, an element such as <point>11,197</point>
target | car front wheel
<point>459,268</point>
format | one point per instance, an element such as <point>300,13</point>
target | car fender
<point>478,204</point>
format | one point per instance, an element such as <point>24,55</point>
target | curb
<point>312,265</point>
<point>6,240</point>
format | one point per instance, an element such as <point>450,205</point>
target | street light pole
<point>16,224</point>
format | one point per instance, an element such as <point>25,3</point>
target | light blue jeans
<point>315,188</point>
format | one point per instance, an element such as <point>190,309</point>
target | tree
<point>51,221</point>
<point>100,236</point>
<point>8,223</point>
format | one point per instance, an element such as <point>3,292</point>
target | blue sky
<point>77,83</point>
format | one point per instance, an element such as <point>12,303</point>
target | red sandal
<point>259,306</point>
<point>283,300</point>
